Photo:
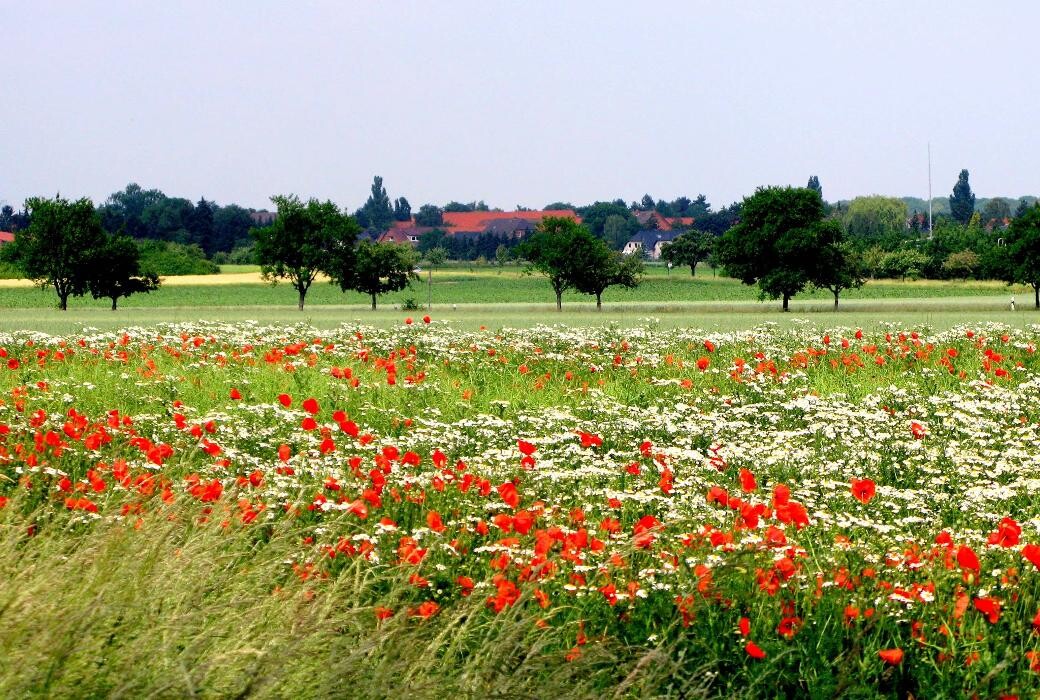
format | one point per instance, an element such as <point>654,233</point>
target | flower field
<point>238,510</point>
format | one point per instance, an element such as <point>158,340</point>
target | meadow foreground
<point>248,510</point>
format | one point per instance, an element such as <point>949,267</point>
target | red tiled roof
<point>395,235</point>
<point>6,237</point>
<point>479,220</point>
<point>663,223</point>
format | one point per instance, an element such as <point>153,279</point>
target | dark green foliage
<point>378,212</point>
<point>572,258</point>
<point>595,217</point>
<point>402,210</point>
<point>1023,244</point>
<point>547,251</point>
<point>594,267</point>
<point>777,243</point>
<point>304,240</point>
<point>840,264</point>
<point>814,185</point>
<point>231,225</point>
<point>201,226</point>
<point>376,268</point>
<point>689,249</point>
<point>647,203</point>
<point>717,223</point>
<point>962,201</point>
<point>125,210</point>
<point>60,246</point>
<point>117,271</point>
<point>10,220</point>
<point>429,215</point>
<point>172,259</point>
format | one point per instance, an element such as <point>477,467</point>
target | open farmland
<point>242,509</point>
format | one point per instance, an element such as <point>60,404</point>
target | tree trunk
<point>836,293</point>
<point>1036,291</point>
<point>599,301</point>
<point>63,301</point>
<point>693,270</point>
<point>114,299</point>
<point>559,301</point>
<point>787,298</point>
<point>373,302</point>
<point>303,293</point>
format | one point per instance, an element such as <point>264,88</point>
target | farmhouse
<point>649,243</point>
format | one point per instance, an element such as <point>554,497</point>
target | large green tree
<point>117,272</point>
<point>376,268</point>
<point>777,243</point>
<point>378,211</point>
<point>60,246</point>
<point>840,265</point>
<point>1023,251</point>
<point>303,241</point>
<point>962,201</point>
<point>689,249</point>
<point>548,251</point>
<point>593,267</point>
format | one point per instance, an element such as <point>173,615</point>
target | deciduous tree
<point>60,246</point>
<point>777,243</point>
<point>376,268</point>
<point>303,241</point>
<point>547,251</point>
<point>689,249</point>
<point>593,267</point>
<point>1023,249</point>
<point>117,271</point>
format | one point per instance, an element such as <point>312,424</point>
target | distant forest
<point>185,236</point>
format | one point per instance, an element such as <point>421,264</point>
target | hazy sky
<point>516,103</point>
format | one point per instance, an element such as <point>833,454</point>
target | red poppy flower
<point>311,406</point>
<point>1032,553</point>
<point>863,490</point>
<point>235,394</point>
<point>892,657</point>
<point>754,651</point>
<point>286,401</point>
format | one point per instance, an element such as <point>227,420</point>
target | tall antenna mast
<point>929,188</point>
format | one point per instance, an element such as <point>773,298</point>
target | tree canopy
<point>547,251</point>
<point>117,271</point>
<point>303,241</point>
<point>778,241</point>
<point>60,246</point>
<point>376,268</point>
<point>689,249</point>
<point>1023,250</point>
<point>962,201</point>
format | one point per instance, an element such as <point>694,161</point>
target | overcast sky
<point>516,103</point>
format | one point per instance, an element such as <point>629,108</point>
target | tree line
<point>788,239</point>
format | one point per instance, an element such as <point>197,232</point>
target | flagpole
<point>929,189</point>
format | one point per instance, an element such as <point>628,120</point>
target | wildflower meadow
<point>233,510</point>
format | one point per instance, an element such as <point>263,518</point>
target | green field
<point>475,296</point>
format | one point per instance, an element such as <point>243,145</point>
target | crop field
<point>419,509</point>
<point>459,284</point>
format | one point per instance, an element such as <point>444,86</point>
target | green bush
<point>171,259</point>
